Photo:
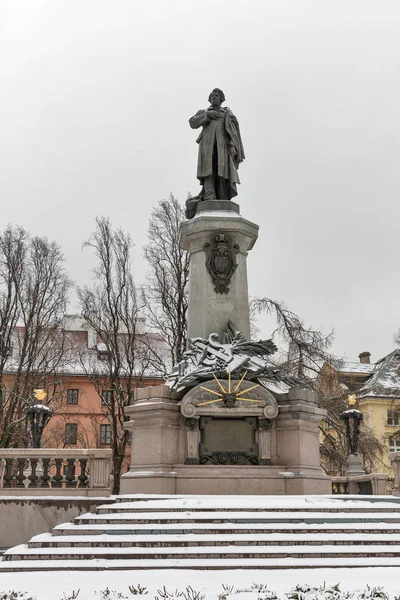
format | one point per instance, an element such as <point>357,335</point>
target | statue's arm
<point>199,119</point>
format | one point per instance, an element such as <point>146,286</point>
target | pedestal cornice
<point>192,232</point>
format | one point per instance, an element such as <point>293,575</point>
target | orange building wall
<point>89,414</point>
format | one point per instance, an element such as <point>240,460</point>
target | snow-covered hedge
<point>255,592</point>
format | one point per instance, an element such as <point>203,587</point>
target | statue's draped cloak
<point>217,136</point>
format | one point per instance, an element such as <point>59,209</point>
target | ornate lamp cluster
<point>352,419</point>
<point>38,416</point>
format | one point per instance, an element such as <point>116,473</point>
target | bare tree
<point>110,308</point>
<point>33,298</point>
<point>303,352</point>
<point>303,349</point>
<point>165,292</point>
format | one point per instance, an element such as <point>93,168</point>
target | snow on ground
<point>52,586</point>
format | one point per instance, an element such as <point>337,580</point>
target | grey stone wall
<point>22,518</point>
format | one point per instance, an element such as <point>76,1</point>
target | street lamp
<point>38,416</point>
<point>352,419</point>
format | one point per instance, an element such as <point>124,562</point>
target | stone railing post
<point>395,460</point>
<point>379,482</point>
<point>99,468</point>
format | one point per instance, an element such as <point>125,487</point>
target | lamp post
<point>352,419</point>
<point>38,416</point>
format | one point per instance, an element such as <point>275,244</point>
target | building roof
<point>356,368</point>
<point>379,380</point>
<point>72,351</point>
<point>385,379</point>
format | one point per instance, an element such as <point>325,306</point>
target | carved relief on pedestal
<point>264,441</point>
<point>193,440</point>
<point>229,398</point>
<point>221,261</point>
<point>228,422</point>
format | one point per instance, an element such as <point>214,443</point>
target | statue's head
<point>216,97</point>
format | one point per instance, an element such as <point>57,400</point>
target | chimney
<point>365,357</point>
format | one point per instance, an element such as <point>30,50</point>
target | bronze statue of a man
<point>220,152</point>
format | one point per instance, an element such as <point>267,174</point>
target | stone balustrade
<point>369,484</point>
<point>59,472</point>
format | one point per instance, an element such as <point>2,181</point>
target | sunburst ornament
<point>229,397</point>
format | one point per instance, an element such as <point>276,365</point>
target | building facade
<point>78,386</point>
<point>377,390</point>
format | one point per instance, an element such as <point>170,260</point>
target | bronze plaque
<point>228,435</point>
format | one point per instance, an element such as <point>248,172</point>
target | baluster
<point>70,472</point>
<point>21,475</point>
<point>57,479</point>
<point>83,478</point>
<point>45,476</point>
<point>33,478</point>
<point>7,479</point>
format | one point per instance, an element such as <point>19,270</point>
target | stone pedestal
<point>209,310</point>
<point>165,448</point>
<point>158,435</point>
<point>222,437</point>
<point>355,465</point>
<point>297,442</point>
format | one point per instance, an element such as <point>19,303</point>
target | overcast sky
<point>95,100</point>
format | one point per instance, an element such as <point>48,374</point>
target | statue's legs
<point>209,188</point>
<point>222,185</point>
<point>210,191</point>
<point>214,186</point>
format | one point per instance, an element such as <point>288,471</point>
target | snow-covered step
<point>208,505</point>
<point>220,532</point>
<point>217,502</point>
<point>46,540</point>
<point>227,528</point>
<point>237,517</point>
<point>22,552</point>
<point>206,564</point>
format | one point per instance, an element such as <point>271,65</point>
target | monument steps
<point>46,540</point>
<point>23,552</point>
<point>309,516</point>
<point>250,502</point>
<point>69,529</point>
<point>196,563</point>
<point>130,507</point>
<point>220,533</point>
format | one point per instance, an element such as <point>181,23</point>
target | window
<point>105,434</point>
<point>72,396</point>
<point>106,397</point>
<point>394,443</point>
<point>393,417</point>
<point>71,433</point>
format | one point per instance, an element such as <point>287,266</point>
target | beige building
<point>377,388</point>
